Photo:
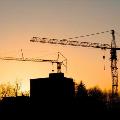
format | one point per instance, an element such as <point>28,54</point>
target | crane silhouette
<point>113,52</point>
<point>53,61</point>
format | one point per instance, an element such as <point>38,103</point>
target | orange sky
<point>21,20</point>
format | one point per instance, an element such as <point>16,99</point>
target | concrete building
<point>56,86</point>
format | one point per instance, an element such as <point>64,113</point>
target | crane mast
<point>114,69</point>
<point>112,47</point>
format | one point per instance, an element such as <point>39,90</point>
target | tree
<point>95,93</point>
<point>17,88</point>
<point>6,90</point>
<point>81,90</point>
<point>9,90</point>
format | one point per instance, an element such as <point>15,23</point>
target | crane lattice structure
<point>56,61</point>
<point>112,47</point>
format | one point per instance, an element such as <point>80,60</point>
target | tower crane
<point>113,52</point>
<point>56,61</point>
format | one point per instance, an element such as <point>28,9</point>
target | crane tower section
<point>114,69</point>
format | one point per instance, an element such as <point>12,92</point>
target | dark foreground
<point>70,107</point>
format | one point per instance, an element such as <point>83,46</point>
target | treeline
<point>92,100</point>
<point>94,93</point>
<point>81,92</point>
<point>12,90</point>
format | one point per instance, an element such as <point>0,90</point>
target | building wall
<point>56,86</point>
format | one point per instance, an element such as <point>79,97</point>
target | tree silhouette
<point>95,93</point>
<point>96,100</point>
<point>81,97</point>
<point>81,90</point>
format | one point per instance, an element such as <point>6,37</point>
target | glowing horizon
<point>21,20</point>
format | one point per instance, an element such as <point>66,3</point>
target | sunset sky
<point>20,20</point>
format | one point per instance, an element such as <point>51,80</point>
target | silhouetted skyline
<point>56,95</point>
<point>21,20</point>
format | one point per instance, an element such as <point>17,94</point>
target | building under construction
<point>54,87</point>
<point>53,93</point>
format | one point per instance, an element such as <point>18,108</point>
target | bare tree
<point>9,90</point>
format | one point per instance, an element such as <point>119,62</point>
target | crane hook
<point>104,59</point>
